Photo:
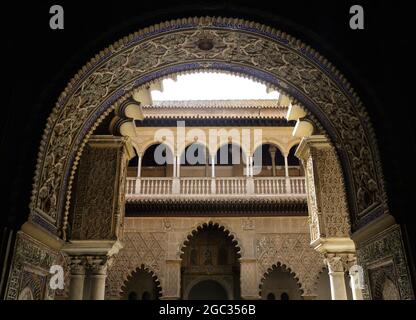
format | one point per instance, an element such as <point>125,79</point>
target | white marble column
<point>336,273</point>
<point>355,286</point>
<point>212,166</point>
<point>178,169</point>
<point>213,180</point>
<point>98,275</point>
<point>139,166</point>
<point>139,173</point>
<point>174,166</point>
<point>207,168</point>
<point>356,278</point>
<point>249,177</point>
<point>251,170</point>
<point>286,167</point>
<point>272,151</point>
<point>176,187</point>
<point>287,179</point>
<point>77,279</point>
<point>247,166</point>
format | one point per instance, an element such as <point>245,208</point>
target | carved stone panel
<point>385,266</point>
<point>327,205</point>
<point>331,193</point>
<point>314,214</point>
<point>250,279</point>
<point>29,274</point>
<point>383,282</point>
<point>172,284</point>
<point>99,194</point>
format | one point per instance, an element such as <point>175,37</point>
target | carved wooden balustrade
<point>215,187</point>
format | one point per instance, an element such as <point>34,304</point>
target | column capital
<point>77,276</point>
<point>98,264</point>
<point>339,262</point>
<point>334,263</point>
<point>350,260</point>
<point>77,265</point>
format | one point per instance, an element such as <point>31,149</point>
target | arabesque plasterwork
<point>327,204</point>
<point>378,255</point>
<point>293,251</point>
<point>145,248</point>
<point>30,269</point>
<point>331,193</point>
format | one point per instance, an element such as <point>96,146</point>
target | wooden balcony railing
<point>218,187</point>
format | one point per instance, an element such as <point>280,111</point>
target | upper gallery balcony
<point>157,187</point>
<point>275,175</point>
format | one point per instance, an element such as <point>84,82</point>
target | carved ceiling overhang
<point>238,47</point>
<point>174,112</point>
<point>216,207</point>
<point>215,122</point>
<point>220,104</point>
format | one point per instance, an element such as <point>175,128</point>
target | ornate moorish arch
<point>294,252</point>
<point>209,43</point>
<point>284,268</point>
<point>153,276</point>
<point>189,280</point>
<point>130,259</point>
<point>200,226</point>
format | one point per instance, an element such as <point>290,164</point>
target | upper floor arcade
<point>203,156</point>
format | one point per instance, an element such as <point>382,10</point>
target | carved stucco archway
<point>142,267</point>
<point>232,236</point>
<point>129,259</point>
<point>293,251</point>
<point>238,47</point>
<point>200,226</point>
<point>285,268</point>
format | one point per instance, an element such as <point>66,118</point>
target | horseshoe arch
<point>236,46</point>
